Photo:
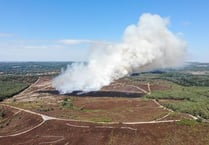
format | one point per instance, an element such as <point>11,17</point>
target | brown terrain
<point>112,116</point>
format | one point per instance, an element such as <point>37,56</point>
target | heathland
<point>165,107</point>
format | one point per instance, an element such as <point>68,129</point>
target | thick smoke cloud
<point>146,46</point>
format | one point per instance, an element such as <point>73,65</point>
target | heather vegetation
<point>191,91</point>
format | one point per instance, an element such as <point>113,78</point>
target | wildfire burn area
<point>43,116</point>
<point>40,98</point>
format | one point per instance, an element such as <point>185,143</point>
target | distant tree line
<point>11,85</point>
<point>186,79</point>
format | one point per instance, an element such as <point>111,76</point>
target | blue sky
<point>53,30</point>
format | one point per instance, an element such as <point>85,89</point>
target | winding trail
<point>23,132</point>
<point>170,111</point>
<point>149,90</point>
<point>60,138</point>
<point>46,118</point>
<point>102,125</point>
<point>138,88</point>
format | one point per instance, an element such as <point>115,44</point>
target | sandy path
<point>46,117</point>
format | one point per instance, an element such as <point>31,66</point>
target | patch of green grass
<point>187,122</point>
<point>28,105</point>
<point>8,89</point>
<point>67,102</point>
<point>13,84</point>
<point>101,119</point>
<point>193,100</point>
<point>90,110</point>
<point>45,109</point>
<point>2,114</point>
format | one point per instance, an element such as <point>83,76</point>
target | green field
<point>192,99</point>
<point>11,84</point>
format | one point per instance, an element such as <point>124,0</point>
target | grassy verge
<point>101,119</point>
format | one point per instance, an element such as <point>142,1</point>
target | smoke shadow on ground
<point>96,94</point>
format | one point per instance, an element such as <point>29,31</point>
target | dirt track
<point>55,130</point>
<point>74,133</point>
<point>46,118</point>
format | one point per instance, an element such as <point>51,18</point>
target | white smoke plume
<point>146,46</point>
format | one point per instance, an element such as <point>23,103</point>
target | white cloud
<point>36,47</point>
<point>44,50</point>
<point>42,46</point>
<point>74,41</point>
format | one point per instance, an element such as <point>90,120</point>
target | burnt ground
<point>137,121</point>
<point>119,102</point>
